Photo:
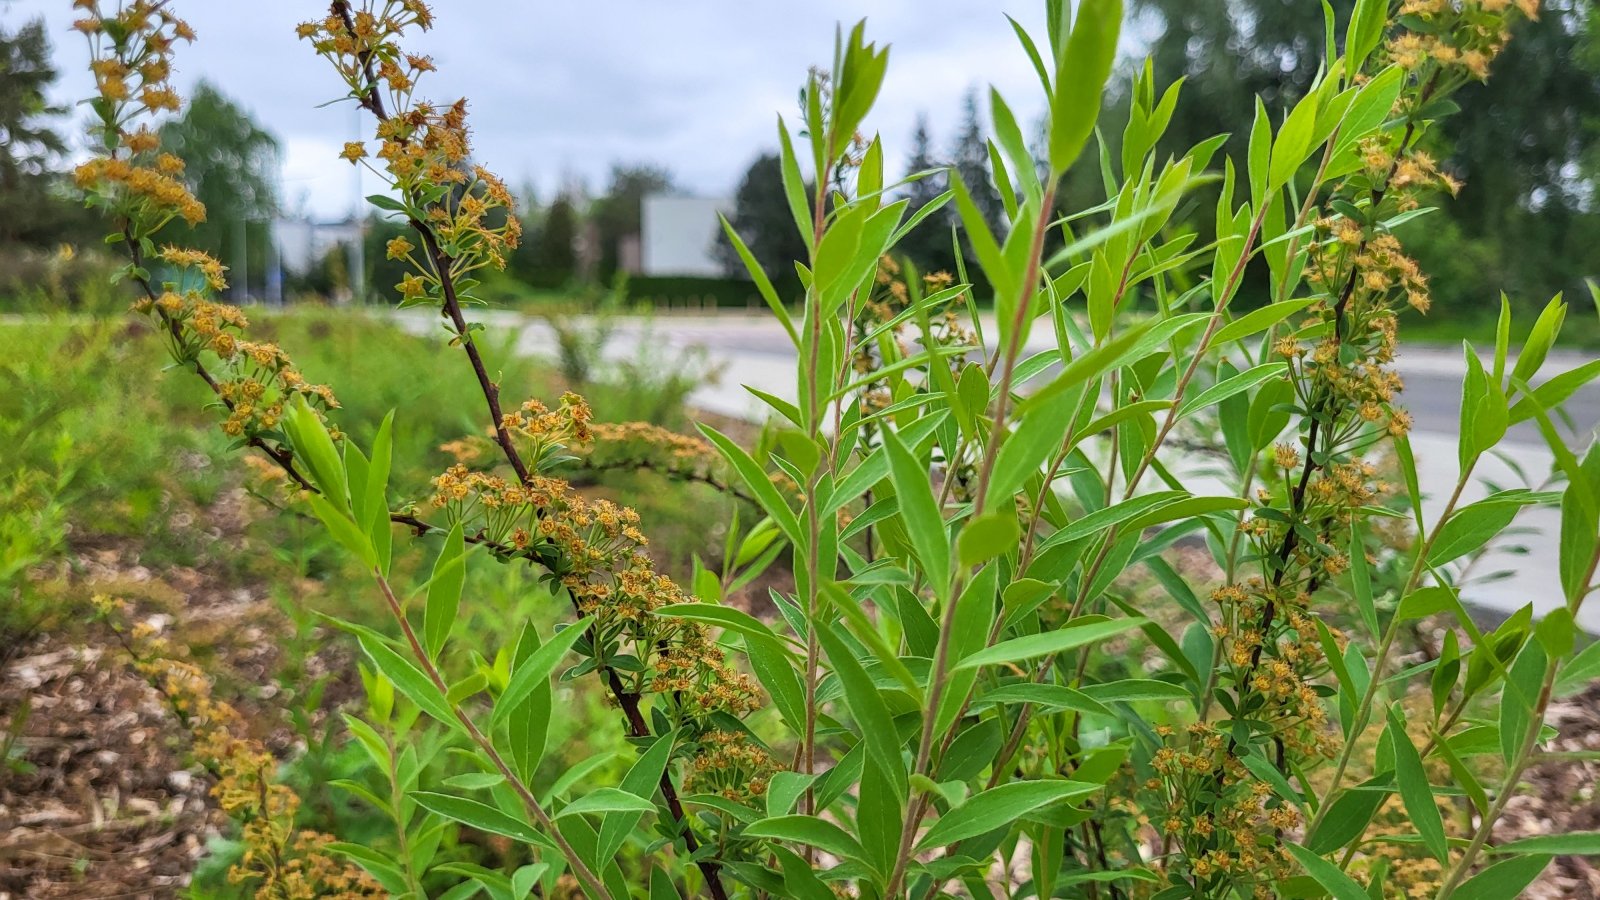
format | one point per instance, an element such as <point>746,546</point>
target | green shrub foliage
<point>1032,647</point>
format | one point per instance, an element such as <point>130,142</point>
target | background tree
<point>928,247</point>
<point>1526,217</point>
<point>617,215</point>
<point>970,159</point>
<point>761,217</point>
<point>555,252</point>
<point>233,170</point>
<point>36,212</point>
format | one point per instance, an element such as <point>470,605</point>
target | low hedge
<point>695,292</point>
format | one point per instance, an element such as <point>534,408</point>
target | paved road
<point>753,350</point>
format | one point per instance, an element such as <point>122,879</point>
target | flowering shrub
<point>993,674</point>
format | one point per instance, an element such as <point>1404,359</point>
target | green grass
<point>106,440</point>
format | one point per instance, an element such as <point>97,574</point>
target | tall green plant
<point>966,696</point>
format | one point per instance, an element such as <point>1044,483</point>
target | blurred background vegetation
<point>1526,220</point>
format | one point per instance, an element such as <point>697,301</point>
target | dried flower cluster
<point>891,296</point>
<point>140,186</point>
<point>1458,36</point>
<point>731,765</point>
<point>595,551</point>
<point>278,861</point>
<point>423,148</point>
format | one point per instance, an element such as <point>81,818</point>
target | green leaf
<point>988,536</point>
<point>1258,321</point>
<point>1416,792</point>
<point>1537,347</point>
<point>1081,79</point>
<point>1294,141</point>
<point>528,725</point>
<point>475,781</point>
<point>481,816</point>
<point>444,591</point>
<point>1038,435</point>
<point>1524,682</point>
<point>1428,601</point>
<point>537,668</point>
<point>381,867</point>
<point>1555,391</point>
<point>375,518</point>
<point>409,680</point>
<point>314,446</point>
<point>794,186</point>
<point>732,619</point>
<point>1572,843</point>
<point>811,831</point>
<point>1077,633</point>
<point>1131,690</point>
<point>800,878</point>
<point>866,705</point>
<point>1129,345</point>
<point>1361,579</point>
<point>987,810</point>
<point>1051,696</point>
<point>763,283</point>
<point>919,512</point>
<point>1259,152</point>
<point>1346,819</point>
<point>1475,525</point>
<point>1339,885</point>
<point>761,487</point>
<point>1230,386</point>
<point>1364,32</point>
<point>344,529</point>
<point>770,663</point>
<point>1579,671</point>
<point>1266,771</point>
<point>607,800</point>
<point>785,790</point>
<point>981,236</point>
<point>642,780</point>
<point>1504,880</point>
<point>1185,508</point>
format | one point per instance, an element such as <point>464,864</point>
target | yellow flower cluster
<point>890,298</point>
<point>1277,664</point>
<point>541,430</point>
<point>731,765</point>
<point>640,445</point>
<point>278,861</point>
<point>424,148</point>
<point>132,49</point>
<point>131,58</point>
<point>1229,841</point>
<point>595,550</point>
<point>1456,36</point>
<point>140,188</point>
<point>253,379</point>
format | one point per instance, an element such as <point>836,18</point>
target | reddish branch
<point>630,702</point>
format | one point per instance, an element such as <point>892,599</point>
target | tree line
<point>1526,153</point>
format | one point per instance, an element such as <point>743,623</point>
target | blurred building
<point>678,235</point>
<point>300,244</point>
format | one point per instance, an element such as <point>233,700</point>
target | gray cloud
<point>565,89</point>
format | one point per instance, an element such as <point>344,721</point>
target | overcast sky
<point>564,89</point>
